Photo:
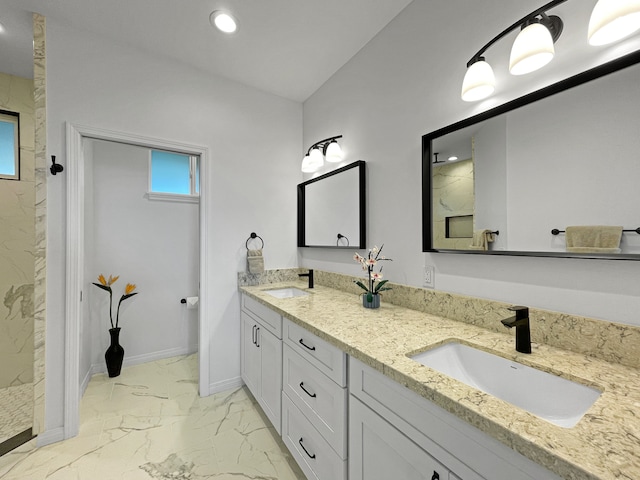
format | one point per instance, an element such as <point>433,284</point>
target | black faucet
<point>521,322</point>
<point>308,274</point>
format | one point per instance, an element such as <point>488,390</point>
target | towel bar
<point>555,231</point>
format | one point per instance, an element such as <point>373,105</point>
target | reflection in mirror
<point>563,156</point>
<point>331,209</point>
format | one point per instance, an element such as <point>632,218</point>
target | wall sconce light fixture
<point>611,20</point>
<point>327,149</point>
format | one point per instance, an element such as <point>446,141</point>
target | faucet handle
<point>518,308</point>
<point>522,313</point>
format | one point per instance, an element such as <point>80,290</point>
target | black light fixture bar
<point>540,11</point>
<point>325,143</point>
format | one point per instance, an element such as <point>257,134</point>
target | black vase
<point>114,354</point>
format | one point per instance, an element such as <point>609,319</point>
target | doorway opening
<point>112,224</point>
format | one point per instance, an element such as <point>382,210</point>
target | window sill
<point>172,197</point>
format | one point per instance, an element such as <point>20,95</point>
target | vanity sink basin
<point>288,292</point>
<point>550,397</point>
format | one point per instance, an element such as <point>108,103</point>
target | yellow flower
<point>129,288</point>
<point>102,280</point>
<point>113,280</point>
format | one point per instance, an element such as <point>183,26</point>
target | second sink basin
<point>288,292</point>
<point>553,398</point>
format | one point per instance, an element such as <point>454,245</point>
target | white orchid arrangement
<point>375,284</point>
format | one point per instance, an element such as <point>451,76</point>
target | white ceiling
<point>285,47</point>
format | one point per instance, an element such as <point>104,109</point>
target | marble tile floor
<point>16,410</point>
<point>150,423</point>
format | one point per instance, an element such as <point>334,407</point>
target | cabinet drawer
<point>320,399</point>
<point>316,458</point>
<point>328,359</point>
<point>270,319</point>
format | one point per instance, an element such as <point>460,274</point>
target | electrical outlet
<point>429,280</point>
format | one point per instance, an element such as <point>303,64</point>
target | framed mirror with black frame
<point>563,156</point>
<point>332,209</point>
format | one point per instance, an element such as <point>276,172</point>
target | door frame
<point>75,134</point>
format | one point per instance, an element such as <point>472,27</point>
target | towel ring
<point>252,236</point>
<point>340,236</point>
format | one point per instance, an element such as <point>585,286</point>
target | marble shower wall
<point>453,196</point>
<point>17,242</point>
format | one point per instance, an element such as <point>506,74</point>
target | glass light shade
<point>223,21</point>
<point>312,161</point>
<point>307,167</point>
<point>612,20</point>
<point>531,50</point>
<point>479,82</point>
<point>334,153</point>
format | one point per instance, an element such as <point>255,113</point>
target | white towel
<point>593,239</point>
<point>481,239</point>
<point>255,261</point>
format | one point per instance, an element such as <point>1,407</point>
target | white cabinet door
<point>250,354</point>
<point>261,366</point>
<point>378,451</point>
<point>270,397</point>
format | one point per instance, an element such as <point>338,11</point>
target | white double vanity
<point>344,412</point>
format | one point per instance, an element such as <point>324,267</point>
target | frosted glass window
<point>9,146</point>
<point>174,173</point>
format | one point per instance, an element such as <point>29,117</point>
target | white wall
<point>406,83</point>
<point>576,154</point>
<point>254,141</point>
<point>490,180</point>
<point>86,330</point>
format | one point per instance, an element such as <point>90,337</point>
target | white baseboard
<point>85,381</point>
<point>50,436</point>
<point>224,385</point>
<point>147,357</point>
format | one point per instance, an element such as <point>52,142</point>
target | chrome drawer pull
<point>306,346</point>
<point>312,395</point>
<point>305,450</point>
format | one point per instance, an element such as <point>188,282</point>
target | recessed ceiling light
<point>223,21</point>
<point>452,158</point>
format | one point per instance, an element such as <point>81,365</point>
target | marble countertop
<point>605,444</point>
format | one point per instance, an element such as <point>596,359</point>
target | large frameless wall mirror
<point>564,156</point>
<point>331,209</point>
